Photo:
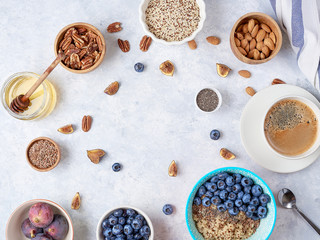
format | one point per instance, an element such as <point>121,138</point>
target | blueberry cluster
<point>125,224</point>
<point>234,192</point>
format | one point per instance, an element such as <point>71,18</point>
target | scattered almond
<point>66,129</point>
<point>76,201</point>
<point>226,154</point>
<point>173,170</point>
<point>277,81</point>
<point>192,44</point>
<point>112,88</point>
<point>214,40</point>
<point>222,70</point>
<point>95,155</point>
<point>244,73</point>
<point>250,91</point>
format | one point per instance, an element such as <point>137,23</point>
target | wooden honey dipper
<point>21,103</point>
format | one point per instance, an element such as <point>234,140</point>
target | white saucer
<point>252,134</point>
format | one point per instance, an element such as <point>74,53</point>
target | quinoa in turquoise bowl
<point>266,224</point>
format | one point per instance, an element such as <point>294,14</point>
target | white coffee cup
<point>316,111</point>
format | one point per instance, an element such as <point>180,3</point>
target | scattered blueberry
<point>233,211</point>
<point>136,224</point>
<point>246,181</point>
<point>197,201</point>
<point>168,209</point>
<point>221,184</point>
<point>232,196</point>
<point>230,181</point>
<point>206,202</point>
<point>139,67</point>
<point>215,200</point>
<point>254,201</point>
<point>238,203</point>
<point>215,134</point>
<point>127,229</point>
<point>223,194</point>
<point>202,190</point>
<point>256,190</point>
<point>229,204</point>
<point>116,167</point>
<point>117,229</point>
<point>221,208</point>
<point>211,186</point>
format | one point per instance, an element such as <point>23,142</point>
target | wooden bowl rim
<point>95,30</point>
<point>236,51</point>
<point>43,169</point>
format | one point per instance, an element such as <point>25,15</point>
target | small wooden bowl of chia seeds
<point>43,154</point>
<point>208,100</point>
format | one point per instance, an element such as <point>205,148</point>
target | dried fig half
<point>112,88</point>
<point>95,155</point>
<point>173,170</point>
<point>76,201</point>
<point>226,154</point>
<point>223,70</point>
<point>66,129</point>
<point>167,68</point>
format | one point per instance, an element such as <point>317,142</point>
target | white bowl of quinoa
<point>172,22</point>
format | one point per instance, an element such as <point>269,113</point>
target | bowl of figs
<point>39,219</point>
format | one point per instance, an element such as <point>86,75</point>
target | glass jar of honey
<point>42,101</point>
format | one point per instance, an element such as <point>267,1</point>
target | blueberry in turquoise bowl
<point>125,222</point>
<point>242,206</point>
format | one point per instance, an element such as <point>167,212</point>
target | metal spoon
<point>288,200</point>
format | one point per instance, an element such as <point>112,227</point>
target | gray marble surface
<point>151,121</point>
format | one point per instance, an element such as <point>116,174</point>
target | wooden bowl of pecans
<point>43,154</point>
<point>83,45</point>
<point>255,38</point>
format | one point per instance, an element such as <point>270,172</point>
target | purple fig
<point>42,236</point>
<point>29,230</point>
<point>40,215</point>
<point>59,228</point>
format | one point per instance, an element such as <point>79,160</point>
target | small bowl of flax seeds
<point>208,100</point>
<point>43,154</point>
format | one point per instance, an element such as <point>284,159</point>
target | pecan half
<point>75,61</point>
<point>114,27</point>
<point>99,42</point>
<point>82,30</point>
<point>86,123</point>
<point>124,45</point>
<point>145,43</point>
<point>65,43</point>
<point>79,42</point>
<point>70,32</point>
<point>86,62</point>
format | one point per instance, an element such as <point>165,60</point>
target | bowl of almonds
<point>255,38</point>
<point>83,45</point>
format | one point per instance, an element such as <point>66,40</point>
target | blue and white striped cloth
<point>300,19</point>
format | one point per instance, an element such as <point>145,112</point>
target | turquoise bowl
<point>266,225</point>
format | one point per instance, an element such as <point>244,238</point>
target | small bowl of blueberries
<point>231,196</point>
<point>125,223</point>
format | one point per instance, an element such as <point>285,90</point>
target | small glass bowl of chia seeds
<point>208,100</point>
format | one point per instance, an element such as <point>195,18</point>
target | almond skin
<point>244,73</point>
<point>192,44</point>
<point>250,91</point>
<point>213,40</point>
